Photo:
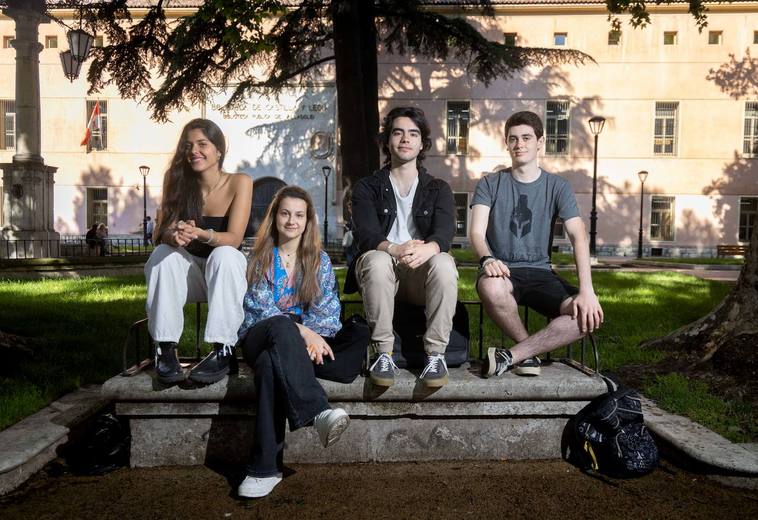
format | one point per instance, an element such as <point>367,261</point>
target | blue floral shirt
<point>270,297</point>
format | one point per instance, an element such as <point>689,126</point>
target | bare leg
<point>559,332</point>
<point>496,295</point>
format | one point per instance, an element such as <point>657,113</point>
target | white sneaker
<point>256,487</point>
<point>330,424</point>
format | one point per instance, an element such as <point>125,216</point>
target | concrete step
<point>508,417</point>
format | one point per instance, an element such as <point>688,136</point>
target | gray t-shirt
<point>521,215</point>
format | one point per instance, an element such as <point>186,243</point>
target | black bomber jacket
<point>374,212</point>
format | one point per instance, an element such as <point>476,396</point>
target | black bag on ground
<point>409,323</point>
<point>609,436</point>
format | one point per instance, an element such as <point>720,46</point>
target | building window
<point>557,128</point>
<point>51,42</point>
<point>8,113</point>
<point>755,37</point>
<point>665,127</point>
<point>748,212</point>
<point>750,140</point>
<point>461,214</point>
<point>614,37</point>
<point>714,37</point>
<point>558,230</point>
<point>97,206</point>
<point>510,39</point>
<point>98,41</point>
<point>662,218</point>
<point>670,38</point>
<point>7,42</point>
<point>458,116</point>
<point>560,39</point>
<point>99,138</point>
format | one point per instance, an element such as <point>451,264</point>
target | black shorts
<point>540,289</point>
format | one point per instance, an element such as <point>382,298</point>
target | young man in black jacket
<point>404,223</point>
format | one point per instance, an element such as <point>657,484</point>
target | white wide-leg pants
<point>175,277</point>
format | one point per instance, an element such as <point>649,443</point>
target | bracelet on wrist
<point>484,259</point>
<point>211,237</point>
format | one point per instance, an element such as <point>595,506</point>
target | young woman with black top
<point>199,229</point>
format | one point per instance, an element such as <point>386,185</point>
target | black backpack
<point>608,436</point>
<point>409,323</point>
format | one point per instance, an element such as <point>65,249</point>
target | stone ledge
<point>31,443</point>
<point>698,442</point>
<point>558,382</point>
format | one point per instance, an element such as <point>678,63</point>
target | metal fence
<point>73,246</point>
<point>76,246</point>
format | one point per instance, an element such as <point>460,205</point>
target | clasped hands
<point>413,253</point>
<point>185,231</point>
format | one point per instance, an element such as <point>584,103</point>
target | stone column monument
<point>27,182</point>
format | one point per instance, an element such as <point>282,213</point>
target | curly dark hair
<point>418,117</point>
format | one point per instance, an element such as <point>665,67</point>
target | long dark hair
<point>418,117</point>
<point>182,195</point>
<point>308,251</point>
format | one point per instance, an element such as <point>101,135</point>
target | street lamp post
<point>144,170</point>
<point>596,126</point>
<point>326,170</point>
<point>642,175</point>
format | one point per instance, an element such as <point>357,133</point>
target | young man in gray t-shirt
<point>513,212</point>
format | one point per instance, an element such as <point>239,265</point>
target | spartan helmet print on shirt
<point>521,218</point>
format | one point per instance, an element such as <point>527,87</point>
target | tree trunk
<point>357,86</point>
<point>729,334</point>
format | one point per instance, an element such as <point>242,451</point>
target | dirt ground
<point>439,490</point>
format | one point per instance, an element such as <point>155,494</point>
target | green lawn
<point>85,322</point>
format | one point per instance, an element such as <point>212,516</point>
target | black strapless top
<point>217,224</point>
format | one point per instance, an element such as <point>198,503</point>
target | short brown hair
<point>525,118</point>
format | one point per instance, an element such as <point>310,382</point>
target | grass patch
<point>735,420</point>
<point>697,261</point>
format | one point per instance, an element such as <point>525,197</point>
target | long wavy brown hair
<point>308,251</point>
<point>182,194</point>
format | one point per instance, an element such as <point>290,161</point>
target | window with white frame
<point>510,39</point>
<point>461,214</point>
<point>662,218</point>
<point>560,39</point>
<point>666,114</point>
<point>7,41</point>
<point>670,38</point>
<point>8,114</point>
<point>557,127</point>
<point>750,139</point>
<point>458,117</point>
<point>614,37</point>
<point>97,206</point>
<point>99,138</point>
<point>51,42</point>
<point>748,212</point>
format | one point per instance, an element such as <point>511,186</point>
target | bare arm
<point>586,305</point>
<point>480,216</point>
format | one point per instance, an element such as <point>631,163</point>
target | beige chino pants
<point>435,285</point>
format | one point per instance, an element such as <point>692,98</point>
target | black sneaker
<point>167,368</point>
<point>382,371</point>
<point>216,365</point>
<point>528,367</point>
<point>435,372</point>
<point>497,362</point>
